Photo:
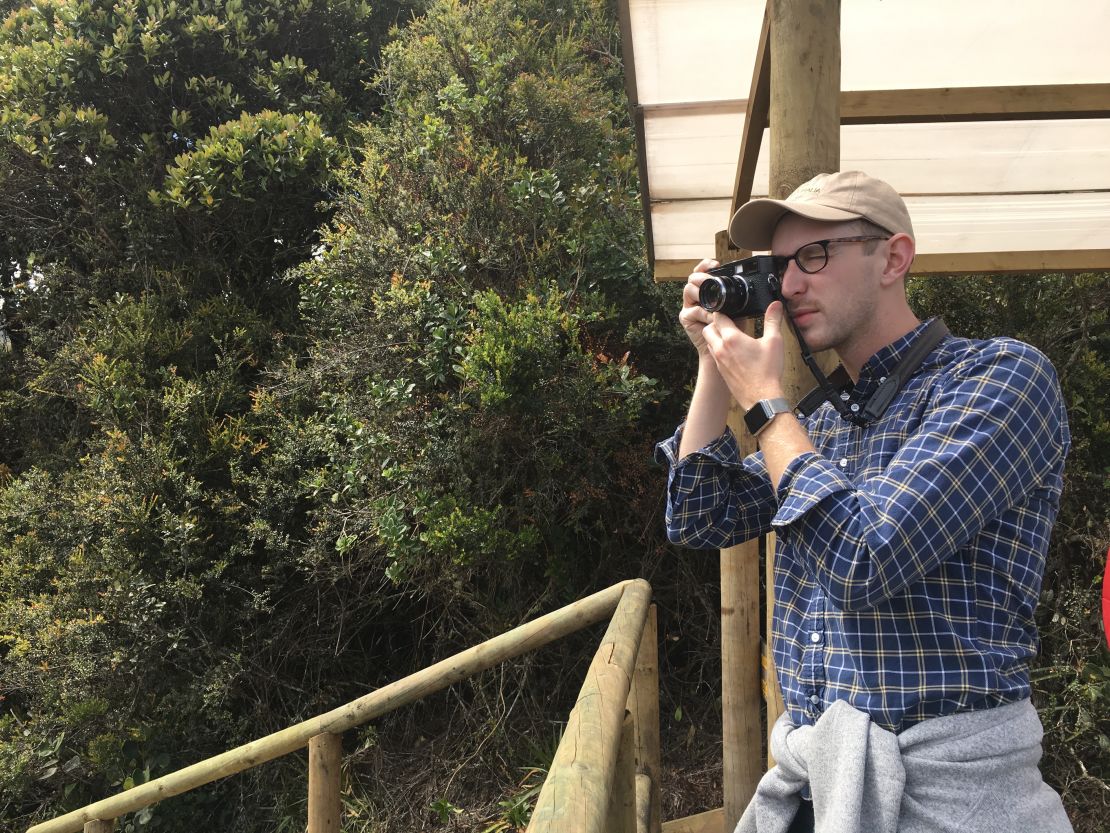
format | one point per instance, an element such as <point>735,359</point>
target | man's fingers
<point>712,338</point>
<point>692,289</point>
<point>725,325</point>
<point>693,315</point>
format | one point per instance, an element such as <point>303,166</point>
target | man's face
<point>834,307</point>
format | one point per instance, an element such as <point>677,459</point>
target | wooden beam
<point>673,270</point>
<point>711,821</point>
<point>805,141</point>
<point>628,56</point>
<point>999,263</point>
<point>944,104</point>
<point>1044,102</point>
<point>755,117</point>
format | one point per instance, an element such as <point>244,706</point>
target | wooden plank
<point>1003,103</point>
<point>712,821</point>
<point>527,637</point>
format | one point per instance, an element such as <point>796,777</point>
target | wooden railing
<point>605,775</point>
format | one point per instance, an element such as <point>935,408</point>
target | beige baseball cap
<point>832,198</point>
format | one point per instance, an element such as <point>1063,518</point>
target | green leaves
<point>267,152</point>
<point>98,97</point>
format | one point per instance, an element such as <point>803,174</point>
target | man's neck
<point>854,356</point>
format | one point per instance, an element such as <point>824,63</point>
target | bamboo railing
<point>585,763</point>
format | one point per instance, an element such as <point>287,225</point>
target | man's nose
<point>794,280</point>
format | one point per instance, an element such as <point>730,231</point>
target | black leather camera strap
<point>840,382</point>
<point>831,388</point>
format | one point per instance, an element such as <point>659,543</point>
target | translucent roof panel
<point>973,186</point>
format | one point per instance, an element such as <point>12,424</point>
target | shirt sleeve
<point>994,435</point>
<point>715,499</point>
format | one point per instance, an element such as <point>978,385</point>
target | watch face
<point>763,412</point>
<point>757,418</point>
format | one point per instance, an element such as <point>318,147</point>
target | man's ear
<point>900,250</point>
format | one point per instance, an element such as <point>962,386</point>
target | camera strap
<point>833,389</point>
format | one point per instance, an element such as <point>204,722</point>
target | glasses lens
<point>812,257</point>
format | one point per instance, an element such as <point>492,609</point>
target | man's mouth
<point>800,316</point>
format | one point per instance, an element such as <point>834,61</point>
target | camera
<point>743,288</point>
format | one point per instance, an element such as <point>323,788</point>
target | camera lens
<point>721,294</point>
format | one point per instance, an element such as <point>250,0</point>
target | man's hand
<point>752,367</point>
<point>694,317</point>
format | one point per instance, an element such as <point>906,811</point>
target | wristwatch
<point>761,414</point>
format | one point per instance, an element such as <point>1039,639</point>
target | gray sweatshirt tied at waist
<point>973,772</point>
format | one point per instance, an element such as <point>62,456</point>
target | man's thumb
<point>772,318</point>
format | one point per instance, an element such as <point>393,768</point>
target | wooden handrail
<point>575,796</point>
<point>520,640</point>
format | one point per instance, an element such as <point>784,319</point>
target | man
<point>910,548</point>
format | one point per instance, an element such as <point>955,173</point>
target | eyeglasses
<point>813,257</point>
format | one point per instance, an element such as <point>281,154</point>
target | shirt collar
<point>880,365</point>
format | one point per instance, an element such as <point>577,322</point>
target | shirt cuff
<point>808,479</point>
<point>723,450</point>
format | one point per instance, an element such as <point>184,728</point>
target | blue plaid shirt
<point>910,553</point>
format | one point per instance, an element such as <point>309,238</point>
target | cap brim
<point>753,226</point>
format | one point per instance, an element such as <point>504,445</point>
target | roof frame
<point>885,107</point>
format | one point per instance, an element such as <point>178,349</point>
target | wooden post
<point>805,141</point>
<point>100,826</point>
<point>621,815</point>
<point>325,761</point>
<point>644,704</point>
<point>741,726</point>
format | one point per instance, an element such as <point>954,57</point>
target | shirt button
<point>855,407</point>
<point>845,396</point>
<point>882,379</point>
<point>843,462</point>
<point>813,698</point>
<point>815,637</point>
